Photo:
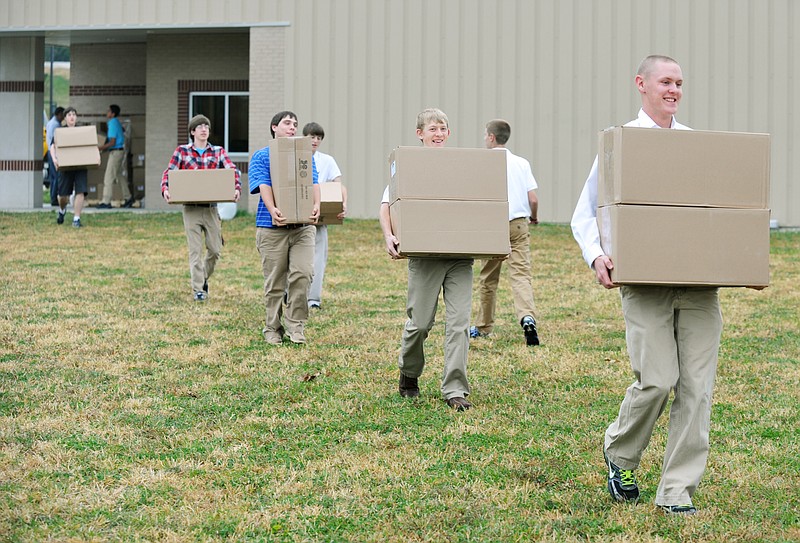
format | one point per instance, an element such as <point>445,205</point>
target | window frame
<point>226,94</point>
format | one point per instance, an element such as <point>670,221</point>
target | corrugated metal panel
<point>558,70</point>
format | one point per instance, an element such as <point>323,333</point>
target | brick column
<point>267,86</point>
<point>21,111</point>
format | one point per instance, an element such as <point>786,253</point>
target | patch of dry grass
<point>130,413</point>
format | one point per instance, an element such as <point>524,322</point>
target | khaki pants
<point>287,260</point>
<point>199,220</point>
<point>113,174</point>
<point>426,278</point>
<point>673,337</point>
<point>519,271</point>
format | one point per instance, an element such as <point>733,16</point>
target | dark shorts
<point>70,180</point>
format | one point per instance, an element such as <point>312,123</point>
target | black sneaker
<point>685,509</point>
<point>200,297</point>
<point>60,218</point>
<point>409,386</point>
<point>621,482</point>
<point>76,223</point>
<point>529,328</point>
<point>128,203</point>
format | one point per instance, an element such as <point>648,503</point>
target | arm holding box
<point>226,162</point>
<point>386,225</point>
<point>261,184</point>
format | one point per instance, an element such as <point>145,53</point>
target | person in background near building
<point>199,219</point>
<point>327,171</point>
<point>69,180</point>
<point>427,277</point>
<point>115,144</point>
<point>523,209</point>
<point>286,250</point>
<point>54,122</point>
<point>672,332</point>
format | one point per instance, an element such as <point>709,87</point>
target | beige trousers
<point>199,221</point>
<point>519,271</point>
<point>427,277</point>
<point>673,337</point>
<point>287,260</point>
<point>116,159</point>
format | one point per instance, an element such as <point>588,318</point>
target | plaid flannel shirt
<point>187,157</point>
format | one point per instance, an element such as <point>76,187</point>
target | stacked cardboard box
<point>202,186</point>
<point>76,148</point>
<point>681,207</point>
<point>331,202</point>
<point>449,202</point>
<point>290,169</point>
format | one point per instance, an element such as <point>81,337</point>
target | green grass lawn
<point>130,413</point>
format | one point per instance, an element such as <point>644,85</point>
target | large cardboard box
<point>202,186</point>
<point>76,148</point>
<point>331,202</point>
<point>451,228</point>
<point>290,169</point>
<point>667,245</point>
<point>683,167</point>
<point>424,173</point>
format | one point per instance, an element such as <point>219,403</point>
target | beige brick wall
<point>171,58</point>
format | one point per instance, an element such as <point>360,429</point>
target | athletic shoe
<point>60,218</point>
<point>76,223</point>
<point>103,206</point>
<point>529,328</point>
<point>200,297</point>
<point>128,203</point>
<point>621,482</point>
<point>685,509</point>
<point>409,386</point>
<point>459,403</point>
<point>475,333</point>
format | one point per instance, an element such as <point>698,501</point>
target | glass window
<point>228,113</point>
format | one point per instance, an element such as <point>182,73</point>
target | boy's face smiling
<point>434,134</point>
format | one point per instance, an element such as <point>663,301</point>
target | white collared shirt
<point>584,219</point>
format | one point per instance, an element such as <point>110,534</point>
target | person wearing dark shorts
<point>70,180</point>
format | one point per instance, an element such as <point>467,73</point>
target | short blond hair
<point>431,115</point>
<point>647,64</point>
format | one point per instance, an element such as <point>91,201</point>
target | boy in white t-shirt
<point>328,171</point>
<point>523,207</point>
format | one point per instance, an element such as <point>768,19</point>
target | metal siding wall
<point>558,70</point>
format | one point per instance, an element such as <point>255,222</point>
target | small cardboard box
<point>666,245</point>
<point>77,136</point>
<point>451,228</point>
<point>424,173</point>
<point>683,167</point>
<point>291,173</point>
<point>331,202</point>
<point>76,148</point>
<point>202,186</point>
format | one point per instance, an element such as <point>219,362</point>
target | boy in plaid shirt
<point>199,219</point>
